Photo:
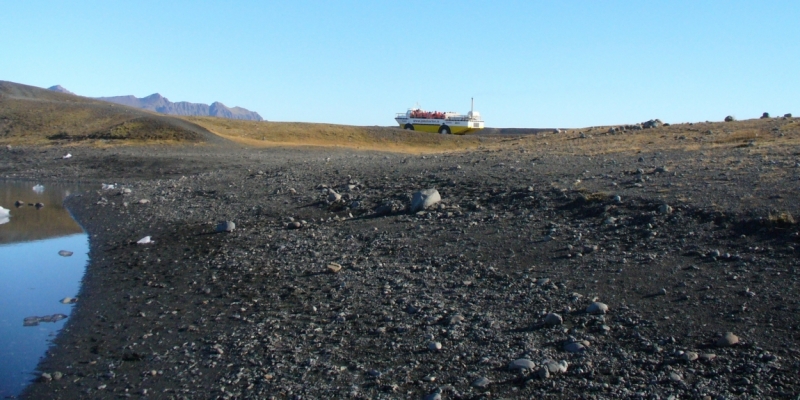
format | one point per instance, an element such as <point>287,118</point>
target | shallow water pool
<point>34,278</point>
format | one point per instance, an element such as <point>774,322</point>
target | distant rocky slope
<point>59,89</point>
<point>158,103</point>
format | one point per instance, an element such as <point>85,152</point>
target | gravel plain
<point>670,274</point>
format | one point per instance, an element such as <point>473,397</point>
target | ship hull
<point>440,125</point>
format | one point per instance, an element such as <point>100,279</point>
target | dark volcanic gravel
<point>457,301</point>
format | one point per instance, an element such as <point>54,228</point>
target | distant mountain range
<point>158,103</point>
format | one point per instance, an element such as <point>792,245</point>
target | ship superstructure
<point>440,122</point>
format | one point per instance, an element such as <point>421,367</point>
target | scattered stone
<point>143,201</point>
<point>434,346</point>
<point>543,373</point>
<point>707,356</point>
<point>521,364</point>
<point>46,377</point>
<point>226,226</point>
<point>665,209</point>
<point>294,225</point>
<point>436,395</point>
<point>787,115</point>
<point>57,376</point>
<point>69,300</point>
<point>145,240</point>
<point>34,321</point>
<point>574,347</point>
<point>765,115</point>
<point>675,377</point>
<point>597,308</point>
<point>556,367</point>
<point>423,199</point>
<point>388,207</point>
<point>553,319</point>
<point>334,267</point>
<point>730,118</point>
<point>65,253</point>
<point>333,196</point>
<point>543,281</point>
<point>481,383</point>
<point>727,340</point>
<point>690,356</point>
<point>455,319</point>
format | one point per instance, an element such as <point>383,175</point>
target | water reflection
<point>26,221</point>
<point>36,276</point>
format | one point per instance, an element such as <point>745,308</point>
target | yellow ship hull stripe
<point>456,130</point>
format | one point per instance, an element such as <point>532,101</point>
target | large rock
<point>597,308</point>
<point>727,340</point>
<point>522,363</point>
<point>424,199</point>
<point>653,123</point>
<point>553,319</point>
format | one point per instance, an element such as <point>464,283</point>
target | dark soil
<point>697,245</point>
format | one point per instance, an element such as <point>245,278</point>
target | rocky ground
<point>491,293</point>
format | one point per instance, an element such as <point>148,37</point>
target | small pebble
<point>334,267</point>
<point>226,226</point>
<point>481,383</point>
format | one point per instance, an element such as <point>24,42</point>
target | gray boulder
<point>424,199</point>
<point>521,364</point>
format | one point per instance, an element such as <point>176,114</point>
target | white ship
<point>416,119</point>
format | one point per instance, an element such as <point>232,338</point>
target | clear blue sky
<point>527,63</point>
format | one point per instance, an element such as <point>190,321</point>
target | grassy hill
<point>35,116</point>
<point>264,134</point>
<point>755,133</point>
